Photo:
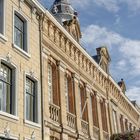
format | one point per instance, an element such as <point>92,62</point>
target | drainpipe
<point>41,74</point>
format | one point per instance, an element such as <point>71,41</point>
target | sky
<point>115,24</point>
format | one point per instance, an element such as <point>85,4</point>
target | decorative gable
<point>73,27</point>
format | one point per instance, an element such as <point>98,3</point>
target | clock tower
<point>67,17</point>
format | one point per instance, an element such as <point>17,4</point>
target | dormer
<point>103,58</point>
<point>122,85</point>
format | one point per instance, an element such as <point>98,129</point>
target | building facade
<point>50,87</point>
<point>20,88</point>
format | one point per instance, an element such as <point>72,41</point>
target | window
<point>50,88</point>
<point>53,91</point>
<point>104,117</point>
<point>20,33</point>
<point>66,93</point>
<point>83,102</point>
<point>122,123</point>
<point>130,126</point>
<point>31,100</point>
<point>94,110</point>
<point>69,94</point>
<point>126,124</point>
<point>115,122</point>
<point>7,93</point>
<point>1,16</point>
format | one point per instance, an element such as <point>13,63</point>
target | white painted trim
<point>9,115</point>
<point>4,14</point>
<point>3,38</point>
<point>27,20</point>
<point>38,101</point>
<point>2,135</point>
<point>32,124</point>
<point>22,51</point>
<point>14,67</point>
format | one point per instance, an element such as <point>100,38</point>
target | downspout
<point>108,111</point>
<point>41,73</point>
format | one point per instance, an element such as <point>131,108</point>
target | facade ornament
<point>9,58</point>
<point>31,73</point>
<point>20,1</point>
<point>34,10</point>
<point>33,135</point>
<point>7,131</point>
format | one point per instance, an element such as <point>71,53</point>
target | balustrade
<point>71,120</point>
<point>85,128</point>
<point>54,113</point>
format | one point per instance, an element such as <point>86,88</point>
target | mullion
<point>30,94</point>
<point>5,82</point>
<point>20,30</point>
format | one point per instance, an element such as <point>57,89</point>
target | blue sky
<point>116,24</point>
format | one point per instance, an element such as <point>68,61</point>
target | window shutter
<point>83,102</point>
<point>94,111</point>
<point>55,85</point>
<point>71,96</point>
<point>104,117</point>
<point>122,124</point>
<point>126,124</point>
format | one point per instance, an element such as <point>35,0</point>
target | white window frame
<point>38,92</point>
<point>2,35</point>
<point>15,74</point>
<point>26,39</point>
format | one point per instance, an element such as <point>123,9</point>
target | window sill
<point>32,123</point>
<point>25,54</point>
<point>9,115</point>
<point>3,39</point>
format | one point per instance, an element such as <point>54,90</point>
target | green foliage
<point>126,136</point>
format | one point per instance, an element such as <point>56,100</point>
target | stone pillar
<point>89,106</point>
<point>62,70</point>
<point>107,116</point>
<point>99,117</point>
<point>46,113</point>
<point>111,118</point>
<point>77,104</point>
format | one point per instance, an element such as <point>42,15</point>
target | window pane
<point>31,108</point>
<point>19,23</point>
<point>19,32</point>
<point>5,89</point>
<point>1,15</point>
<point>19,38</point>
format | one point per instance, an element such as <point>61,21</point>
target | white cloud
<point>99,36</point>
<point>126,50</point>
<point>110,5</point>
<point>134,93</point>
